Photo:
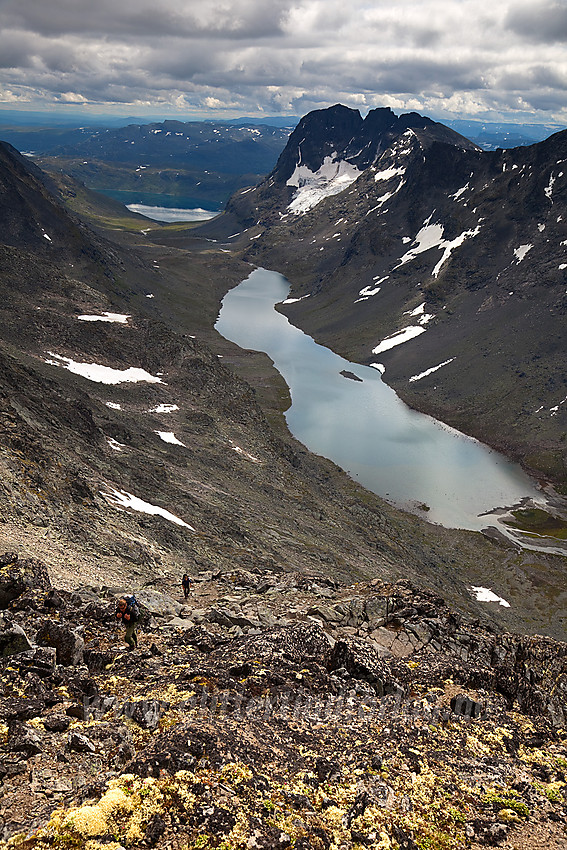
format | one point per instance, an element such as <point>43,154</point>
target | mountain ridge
<point>476,237</point>
<point>190,437</point>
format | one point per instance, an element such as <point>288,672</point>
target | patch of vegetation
<point>538,521</point>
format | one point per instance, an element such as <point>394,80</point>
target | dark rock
<point>13,640</point>
<point>54,600</point>
<point>327,771</point>
<point>80,743</point>
<point>77,710</point>
<point>56,723</point>
<point>40,661</point>
<point>146,713</point>
<point>466,707</point>
<point>154,830</point>
<point>19,708</point>
<point>269,838</point>
<point>360,661</point>
<point>96,660</point>
<point>22,738</point>
<point>17,576</point>
<point>68,644</point>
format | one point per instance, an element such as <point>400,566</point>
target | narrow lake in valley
<point>359,422</point>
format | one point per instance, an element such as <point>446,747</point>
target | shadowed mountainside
<point>418,231</point>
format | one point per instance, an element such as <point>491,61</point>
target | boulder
<point>22,738</point>
<point>17,576</point>
<point>68,644</point>
<point>56,723</point>
<point>466,707</point>
<point>158,604</point>
<point>13,640</point>
<point>21,708</point>
<point>80,743</point>
<point>225,617</point>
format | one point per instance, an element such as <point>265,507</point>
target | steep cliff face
<point>420,230</point>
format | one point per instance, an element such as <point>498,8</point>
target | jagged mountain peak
<point>340,134</point>
<point>330,149</point>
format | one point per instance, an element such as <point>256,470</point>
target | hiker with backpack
<point>129,613</point>
<point>186,585</point>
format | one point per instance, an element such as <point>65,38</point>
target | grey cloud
<point>16,51</point>
<point>543,22</point>
<point>146,18</point>
<point>402,77</point>
<point>288,55</point>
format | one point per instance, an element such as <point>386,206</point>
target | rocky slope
<point>274,710</point>
<point>399,231</point>
<point>175,466</point>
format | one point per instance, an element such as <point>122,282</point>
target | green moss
<point>538,521</point>
<point>509,800</point>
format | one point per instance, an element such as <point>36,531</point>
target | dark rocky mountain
<point>461,252</point>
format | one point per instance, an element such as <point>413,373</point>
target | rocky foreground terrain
<point>273,710</point>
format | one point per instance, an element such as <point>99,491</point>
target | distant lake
<point>360,423</point>
<point>161,201</point>
<point>171,213</point>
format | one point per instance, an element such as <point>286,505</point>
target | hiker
<point>186,584</point>
<point>129,613</point>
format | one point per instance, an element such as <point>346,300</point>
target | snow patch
<point>169,437</point>
<point>106,317</point>
<point>398,338</point>
<point>114,444</point>
<point>484,594</point>
<point>374,289</point>
<point>113,405</point>
<point>430,371</point>
<point>388,173</point>
<point>431,236</point>
<point>313,186</point>
<point>548,191</point>
<point>163,408</point>
<point>293,300</point>
<point>521,252</point>
<point>245,454</point>
<point>102,374</point>
<point>460,192</point>
<point>120,498</point>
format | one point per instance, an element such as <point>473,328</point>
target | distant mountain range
<point>196,163</point>
<point>189,164</point>
<point>400,230</point>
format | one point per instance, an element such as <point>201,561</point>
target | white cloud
<point>473,57</point>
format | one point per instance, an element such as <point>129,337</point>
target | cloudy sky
<point>486,59</point>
